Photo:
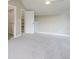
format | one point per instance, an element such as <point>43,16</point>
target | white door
<point>29,22</point>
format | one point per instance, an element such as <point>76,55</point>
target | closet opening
<point>22,21</point>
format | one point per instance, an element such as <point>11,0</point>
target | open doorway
<point>11,21</point>
<point>27,21</point>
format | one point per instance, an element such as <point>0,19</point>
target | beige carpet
<point>38,46</point>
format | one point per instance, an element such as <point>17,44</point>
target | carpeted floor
<point>38,46</point>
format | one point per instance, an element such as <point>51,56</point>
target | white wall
<point>53,24</point>
<point>19,6</point>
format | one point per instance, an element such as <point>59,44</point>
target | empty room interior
<point>38,29</point>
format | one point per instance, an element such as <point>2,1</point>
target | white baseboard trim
<point>18,36</point>
<point>29,32</point>
<point>55,34</point>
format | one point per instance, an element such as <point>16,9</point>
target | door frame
<point>14,21</point>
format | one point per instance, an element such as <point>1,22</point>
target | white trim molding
<point>18,36</point>
<point>55,34</point>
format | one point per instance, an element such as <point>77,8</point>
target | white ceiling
<point>41,8</point>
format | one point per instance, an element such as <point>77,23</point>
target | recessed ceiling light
<point>47,2</point>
